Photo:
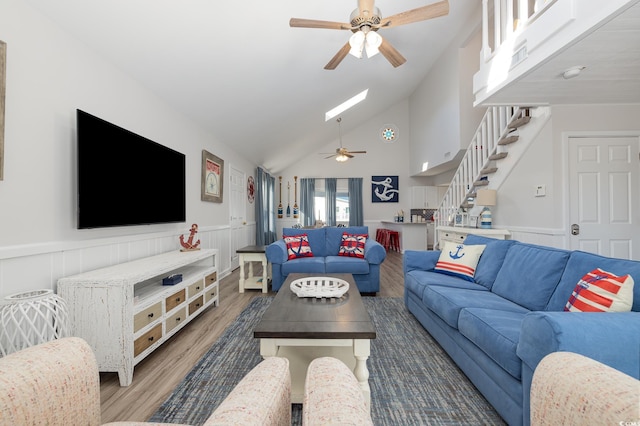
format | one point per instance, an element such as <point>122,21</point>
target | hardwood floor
<point>157,375</point>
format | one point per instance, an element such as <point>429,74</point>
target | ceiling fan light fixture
<point>372,43</point>
<point>341,158</point>
<point>356,41</point>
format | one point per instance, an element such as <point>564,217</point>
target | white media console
<point>124,312</point>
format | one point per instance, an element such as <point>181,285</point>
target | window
<point>342,201</point>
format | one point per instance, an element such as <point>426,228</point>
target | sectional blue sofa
<point>325,244</point>
<point>498,327</point>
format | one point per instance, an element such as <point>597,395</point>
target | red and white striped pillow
<point>352,245</point>
<point>602,291</point>
<point>297,246</point>
<point>459,259</point>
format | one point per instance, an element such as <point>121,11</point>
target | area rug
<point>413,381</point>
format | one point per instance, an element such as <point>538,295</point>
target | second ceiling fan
<point>365,22</point>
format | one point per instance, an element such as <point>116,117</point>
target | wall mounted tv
<point>126,179</point>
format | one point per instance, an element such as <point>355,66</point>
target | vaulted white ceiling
<point>238,69</point>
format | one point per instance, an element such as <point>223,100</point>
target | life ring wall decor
<point>251,189</point>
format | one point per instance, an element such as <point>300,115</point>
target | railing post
<point>523,13</point>
<point>497,12</point>
<point>485,53</point>
<point>509,20</point>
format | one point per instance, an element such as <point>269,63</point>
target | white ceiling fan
<point>365,21</point>
<point>342,154</point>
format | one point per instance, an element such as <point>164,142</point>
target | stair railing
<point>468,177</point>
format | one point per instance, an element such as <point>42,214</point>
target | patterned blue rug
<point>413,381</point>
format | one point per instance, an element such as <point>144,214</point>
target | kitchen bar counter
<point>413,235</point>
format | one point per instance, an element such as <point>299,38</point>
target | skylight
<point>346,105</point>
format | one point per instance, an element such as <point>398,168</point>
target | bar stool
<point>394,240</point>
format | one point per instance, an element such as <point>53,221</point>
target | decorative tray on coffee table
<point>319,287</point>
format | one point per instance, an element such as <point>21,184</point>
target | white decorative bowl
<point>319,287</point>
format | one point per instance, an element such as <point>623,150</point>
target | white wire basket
<point>319,287</point>
<point>30,318</point>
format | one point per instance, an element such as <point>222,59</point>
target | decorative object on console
<point>459,260</point>
<point>30,318</point>
<point>473,221</point>
<point>384,189</point>
<point>251,189</point>
<point>352,245</point>
<point>296,211</point>
<point>602,291</point>
<point>486,198</point>
<point>297,246</point>
<point>172,279</point>
<point>3,67</point>
<point>190,245</point>
<point>212,177</point>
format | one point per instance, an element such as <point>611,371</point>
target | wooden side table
<point>253,254</point>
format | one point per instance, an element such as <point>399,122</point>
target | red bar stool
<point>394,240</point>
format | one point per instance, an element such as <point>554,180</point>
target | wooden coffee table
<point>302,329</point>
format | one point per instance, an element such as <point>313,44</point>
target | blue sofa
<point>325,244</point>
<point>499,327</point>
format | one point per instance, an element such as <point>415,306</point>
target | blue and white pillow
<point>459,260</point>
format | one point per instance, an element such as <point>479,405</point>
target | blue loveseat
<point>500,326</point>
<point>325,244</point>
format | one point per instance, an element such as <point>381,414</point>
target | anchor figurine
<point>189,245</point>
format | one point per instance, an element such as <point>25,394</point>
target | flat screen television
<point>126,179</point>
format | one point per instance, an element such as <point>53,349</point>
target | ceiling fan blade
<point>335,61</point>
<point>357,152</point>
<point>430,11</point>
<point>348,155</point>
<point>392,55</point>
<point>365,7</point>
<point>331,156</point>
<point>313,23</point>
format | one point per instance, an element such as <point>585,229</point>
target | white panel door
<point>238,212</point>
<point>604,185</point>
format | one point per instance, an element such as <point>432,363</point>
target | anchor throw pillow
<point>602,291</point>
<point>352,245</point>
<point>459,260</point>
<point>297,246</point>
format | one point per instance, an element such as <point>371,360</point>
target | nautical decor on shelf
<point>190,245</point>
<point>486,198</point>
<point>384,189</point>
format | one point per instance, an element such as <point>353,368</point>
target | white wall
<point>543,220</point>
<point>442,117</point>
<point>381,159</point>
<point>49,75</point>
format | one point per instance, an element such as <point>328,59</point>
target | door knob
<point>575,229</point>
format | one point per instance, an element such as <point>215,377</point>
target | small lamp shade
<point>486,197</point>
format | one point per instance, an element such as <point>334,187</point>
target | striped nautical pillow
<point>459,259</point>
<point>602,291</point>
<point>352,245</point>
<point>297,246</point>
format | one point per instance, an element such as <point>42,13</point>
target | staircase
<point>498,144</point>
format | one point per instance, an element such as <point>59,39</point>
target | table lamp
<point>486,198</point>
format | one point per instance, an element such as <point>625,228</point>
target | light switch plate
<point>540,191</point>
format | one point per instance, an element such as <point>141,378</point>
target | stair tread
<point>521,121</point>
<point>488,170</point>
<point>481,183</point>
<point>508,139</point>
<point>498,156</point>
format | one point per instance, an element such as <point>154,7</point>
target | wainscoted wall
<point>39,266</point>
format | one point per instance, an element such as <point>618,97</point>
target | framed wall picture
<point>212,177</point>
<point>3,80</point>
<point>384,189</point>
